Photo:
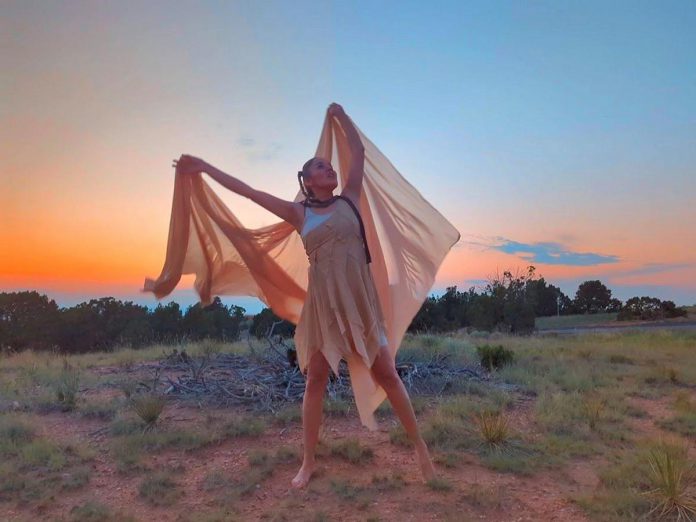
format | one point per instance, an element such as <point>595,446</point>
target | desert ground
<point>600,426</point>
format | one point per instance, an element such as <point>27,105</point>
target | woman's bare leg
<point>384,372</point>
<point>312,406</point>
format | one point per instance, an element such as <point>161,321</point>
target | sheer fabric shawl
<point>408,240</point>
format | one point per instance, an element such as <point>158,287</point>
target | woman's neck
<point>323,196</point>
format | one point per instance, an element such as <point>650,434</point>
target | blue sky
<point>561,134</point>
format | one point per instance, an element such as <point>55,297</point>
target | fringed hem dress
<point>341,316</point>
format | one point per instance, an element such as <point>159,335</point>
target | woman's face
<point>321,175</point>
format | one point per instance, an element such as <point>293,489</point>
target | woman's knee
<point>317,372</point>
<point>384,370</point>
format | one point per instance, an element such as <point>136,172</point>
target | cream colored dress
<point>341,316</point>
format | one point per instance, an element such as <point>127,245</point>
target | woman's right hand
<point>335,110</point>
<point>187,164</point>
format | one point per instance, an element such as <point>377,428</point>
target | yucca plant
<point>673,478</point>
<point>148,407</point>
<point>493,427</point>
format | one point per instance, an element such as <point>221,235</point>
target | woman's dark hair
<point>303,174</point>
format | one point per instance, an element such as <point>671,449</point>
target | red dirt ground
<point>477,492</point>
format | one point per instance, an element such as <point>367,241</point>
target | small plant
<point>244,427</point>
<point>127,387</point>
<point>387,482</point>
<point>352,451</point>
<point>593,408</point>
<point>493,427</point>
<point>399,437</point>
<point>288,415</point>
<point>287,454</point>
<point>672,476</point>
<point>148,407</point>
<point>92,511</point>
<point>448,460</point>
<point>66,386</point>
<point>259,458</point>
<point>159,489</point>
<point>494,356</point>
<point>14,432</point>
<point>620,359</point>
<point>358,496</point>
<point>439,484</point>
<point>684,403</point>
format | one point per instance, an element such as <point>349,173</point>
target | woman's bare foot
<point>303,476</point>
<point>426,465</point>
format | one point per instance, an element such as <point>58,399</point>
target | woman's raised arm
<point>357,154</point>
<point>288,211</point>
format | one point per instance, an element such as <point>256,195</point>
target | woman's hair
<point>303,174</point>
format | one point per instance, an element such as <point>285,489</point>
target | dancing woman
<point>341,316</point>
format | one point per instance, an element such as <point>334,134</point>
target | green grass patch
<point>159,489</point>
<point>352,451</point>
<point>93,511</point>
<point>245,426</point>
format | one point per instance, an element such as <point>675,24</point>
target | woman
<point>341,315</point>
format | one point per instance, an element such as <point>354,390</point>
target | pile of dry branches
<point>265,380</point>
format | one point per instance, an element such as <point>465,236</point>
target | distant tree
<point>215,321</point>
<point>614,305</point>
<point>671,310</point>
<point>264,320</point>
<point>28,320</point>
<point>592,297</point>
<point>483,313</point>
<point>166,322</point>
<point>100,324</point>
<point>423,320</point>
<point>547,297</point>
<point>514,300</point>
<point>649,308</point>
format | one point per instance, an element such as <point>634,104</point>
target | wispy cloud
<point>550,253</point>
<point>656,268</point>
<point>246,141</point>
<point>256,151</point>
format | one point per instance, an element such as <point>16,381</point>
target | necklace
<point>320,203</point>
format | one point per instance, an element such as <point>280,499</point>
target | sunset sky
<point>558,134</point>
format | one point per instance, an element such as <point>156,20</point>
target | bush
<point>494,356</point>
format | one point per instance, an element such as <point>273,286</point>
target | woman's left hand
<point>190,164</point>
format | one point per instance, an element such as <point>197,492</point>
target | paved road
<point>685,326</point>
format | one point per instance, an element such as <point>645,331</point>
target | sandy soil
<point>477,493</point>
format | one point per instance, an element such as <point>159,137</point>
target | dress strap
<point>362,226</point>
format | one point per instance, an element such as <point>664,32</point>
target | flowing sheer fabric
<point>407,237</point>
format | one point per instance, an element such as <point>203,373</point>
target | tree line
<point>508,303</point>
<point>32,320</point>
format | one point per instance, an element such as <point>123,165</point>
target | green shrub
<point>494,356</point>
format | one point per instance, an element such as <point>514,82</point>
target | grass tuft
<point>148,407</point>
<point>493,427</point>
<point>352,450</point>
<point>159,489</point>
<point>672,476</point>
